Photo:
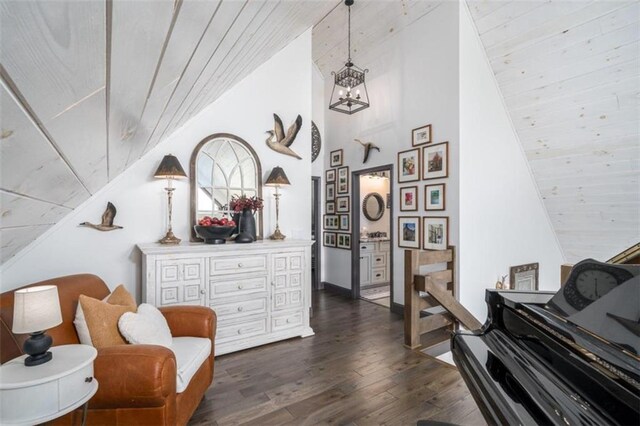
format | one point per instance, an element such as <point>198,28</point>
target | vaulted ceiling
<point>569,75</point>
<point>88,87</point>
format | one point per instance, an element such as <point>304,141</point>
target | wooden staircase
<point>430,303</point>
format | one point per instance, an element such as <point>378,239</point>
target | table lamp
<point>36,309</point>
<point>170,169</point>
<point>277,178</point>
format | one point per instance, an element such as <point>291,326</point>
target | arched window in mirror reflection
<point>222,166</point>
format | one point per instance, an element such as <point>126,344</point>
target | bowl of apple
<point>213,230</point>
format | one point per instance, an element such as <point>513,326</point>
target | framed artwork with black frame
<point>329,239</point>
<point>331,222</point>
<point>409,165</point>
<point>435,161</point>
<point>330,175</point>
<point>344,241</point>
<point>436,233</point>
<point>409,199</point>
<point>330,192</point>
<point>335,158</point>
<point>524,277</point>
<point>421,135</point>
<point>343,180</point>
<point>345,222</point>
<point>330,207</point>
<point>409,232</point>
<point>343,204</point>
<point>434,197</point>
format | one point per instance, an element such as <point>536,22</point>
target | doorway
<point>316,231</point>
<point>372,234</point>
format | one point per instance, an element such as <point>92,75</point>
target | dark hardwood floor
<point>354,371</point>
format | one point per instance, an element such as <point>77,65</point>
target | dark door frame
<point>355,227</point>
<point>316,183</point>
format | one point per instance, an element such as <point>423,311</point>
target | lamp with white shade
<point>35,310</point>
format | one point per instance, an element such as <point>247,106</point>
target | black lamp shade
<point>277,178</point>
<point>170,168</point>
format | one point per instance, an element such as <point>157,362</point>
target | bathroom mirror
<point>373,206</point>
<point>223,165</point>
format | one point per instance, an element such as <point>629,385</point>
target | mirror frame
<point>380,201</point>
<point>193,183</point>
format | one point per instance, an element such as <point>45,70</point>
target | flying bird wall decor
<point>278,141</point>
<point>107,220</point>
<point>368,146</point>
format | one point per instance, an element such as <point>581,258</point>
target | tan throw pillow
<point>120,296</point>
<point>102,321</point>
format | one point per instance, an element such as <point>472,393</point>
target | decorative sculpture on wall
<point>316,142</point>
<point>280,142</point>
<point>107,220</point>
<point>368,146</point>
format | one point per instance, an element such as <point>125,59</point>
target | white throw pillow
<point>145,327</point>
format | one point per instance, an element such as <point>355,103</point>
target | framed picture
<point>330,175</point>
<point>343,180</point>
<point>434,197</point>
<point>435,161</point>
<point>330,207</point>
<point>409,165</point>
<point>344,241</point>
<point>524,277</point>
<point>409,232</point>
<point>330,192</point>
<point>409,199</point>
<point>345,222</point>
<point>436,233</point>
<point>336,158</point>
<point>421,135</point>
<point>342,204</point>
<point>329,239</point>
<point>331,222</point>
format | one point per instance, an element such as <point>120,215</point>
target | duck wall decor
<point>107,220</point>
<point>280,142</point>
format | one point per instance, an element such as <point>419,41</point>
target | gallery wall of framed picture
<point>337,218</point>
<point>426,166</point>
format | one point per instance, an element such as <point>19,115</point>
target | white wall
<point>413,80</point>
<point>281,85</point>
<point>380,186</point>
<point>502,219</point>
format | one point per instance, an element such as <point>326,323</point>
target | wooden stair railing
<point>431,290</point>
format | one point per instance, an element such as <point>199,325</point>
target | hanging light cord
<point>349,35</point>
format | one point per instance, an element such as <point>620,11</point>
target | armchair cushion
<point>190,353</point>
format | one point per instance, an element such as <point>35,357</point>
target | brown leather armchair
<point>137,383</point>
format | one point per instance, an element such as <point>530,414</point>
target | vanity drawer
<point>237,286</point>
<point>367,247</point>
<point>230,309</point>
<point>378,260</point>
<point>282,322</point>
<point>379,275</point>
<point>237,264</point>
<point>241,329</point>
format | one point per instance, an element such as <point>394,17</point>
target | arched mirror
<point>223,165</point>
<point>373,206</point>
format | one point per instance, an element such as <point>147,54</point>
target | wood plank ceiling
<point>88,87</point>
<point>569,75</point>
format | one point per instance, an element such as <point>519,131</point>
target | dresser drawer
<point>76,385</point>
<point>367,247</point>
<point>378,260</point>
<point>282,322</point>
<point>240,307</point>
<point>379,275</point>
<point>236,286</point>
<point>237,264</point>
<point>241,329</point>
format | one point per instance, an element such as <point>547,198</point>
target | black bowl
<point>214,234</point>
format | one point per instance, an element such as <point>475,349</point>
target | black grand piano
<point>565,358</point>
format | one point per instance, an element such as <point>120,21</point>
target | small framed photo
<point>436,233</point>
<point>524,277</point>
<point>330,192</point>
<point>344,241</point>
<point>409,232</point>
<point>329,239</point>
<point>330,207</point>
<point>434,197</point>
<point>336,158</point>
<point>345,222</point>
<point>330,175</point>
<point>409,165</point>
<point>343,180</point>
<point>331,222</point>
<point>342,204</point>
<point>421,135</point>
<point>435,161</point>
<point>409,199</point>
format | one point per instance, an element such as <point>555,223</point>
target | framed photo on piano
<point>524,277</point>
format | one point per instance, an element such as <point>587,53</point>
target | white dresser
<point>261,292</point>
<point>374,262</point>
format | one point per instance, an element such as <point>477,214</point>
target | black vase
<point>246,227</point>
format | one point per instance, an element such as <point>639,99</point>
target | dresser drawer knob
<point>202,291</point>
<point>240,308</point>
<point>88,379</point>
<point>240,265</point>
<point>289,319</point>
<point>378,275</point>
<point>239,331</point>
<point>240,287</point>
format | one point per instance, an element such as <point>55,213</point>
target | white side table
<point>33,395</point>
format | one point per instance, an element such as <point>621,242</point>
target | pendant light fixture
<point>349,82</point>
